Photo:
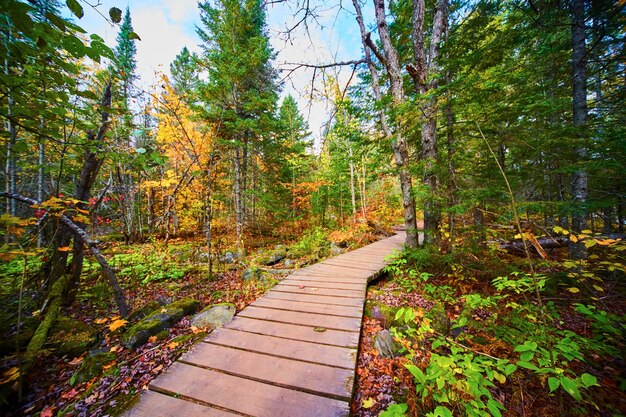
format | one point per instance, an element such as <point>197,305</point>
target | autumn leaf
<point>47,412</point>
<point>75,361</point>
<point>319,329</point>
<point>115,349</point>
<point>171,345</point>
<point>117,324</point>
<point>64,249</point>
<point>152,339</point>
<point>101,321</point>
<point>196,330</point>
<point>573,290</point>
<point>69,394</point>
<point>369,403</point>
<point>10,375</point>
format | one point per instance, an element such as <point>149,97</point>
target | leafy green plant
<point>461,380</point>
<point>395,410</point>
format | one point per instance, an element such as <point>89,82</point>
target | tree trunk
<point>398,144</point>
<point>90,170</point>
<point>352,186</point>
<point>579,102</point>
<point>238,196</point>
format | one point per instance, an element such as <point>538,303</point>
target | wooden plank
<point>328,277</point>
<point>304,319</point>
<point>295,332</point>
<point>244,395</point>
<point>319,299</point>
<point>341,357</point>
<point>343,271</point>
<point>323,284</point>
<point>309,377</point>
<point>315,290</point>
<point>356,312</point>
<point>357,263</point>
<point>155,404</point>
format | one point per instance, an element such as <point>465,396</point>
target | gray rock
<point>230,257</point>
<point>214,316</point>
<point>276,258</point>
<point>289,263</point>
<point>336,250</point>
<point>385,345</point>
<point>158,321</point>
<point>251,273</point>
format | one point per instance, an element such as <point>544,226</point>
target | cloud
<point>164,30</point>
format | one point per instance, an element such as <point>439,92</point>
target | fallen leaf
<point>117,324</point>
<point>172,345</point>
<point>302,287</point>
<point>75,361</point>
<point>319,329</point>
<point>64,249</point>
<point>47,412</point>
<point>69,394</point>
<point>101,321</point>
<point>157,369</point>
<point>152,339</point>
<point>10,375</point>
<point>369,403</point>
<point>115,349</point>
<point>196,330</point>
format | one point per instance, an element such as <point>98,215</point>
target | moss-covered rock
<point>148,308</point>
<point>71,337</point>
<point>440,321</point>
<point>158,321</point>
<point>214,316</point>
<point>10,339</point>
<point>92,366</point>
<point>386,314</point>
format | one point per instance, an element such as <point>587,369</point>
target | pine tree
<point>125,54</point>
<point>240,94</point>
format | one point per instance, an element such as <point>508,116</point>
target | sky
<point>166,26</point>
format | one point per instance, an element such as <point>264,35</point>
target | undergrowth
<point>518,341</point>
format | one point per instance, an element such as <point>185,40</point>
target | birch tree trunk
<point>398,144</point>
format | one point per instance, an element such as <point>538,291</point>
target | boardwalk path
<point>291,353</point>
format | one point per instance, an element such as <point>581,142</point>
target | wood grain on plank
<point>289,373</point>
<point>155,404</point>
<point>341,357</point>
<point>345,311</point>
<point>304,319</point>
<point>295,332</point>
<point>244,395</point>
<point>319,299</point>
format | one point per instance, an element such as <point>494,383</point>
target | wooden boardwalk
<point>291,353</point>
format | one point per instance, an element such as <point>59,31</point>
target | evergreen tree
<point>240,94</point>
<point>184,73</point>
<point>125,54</point>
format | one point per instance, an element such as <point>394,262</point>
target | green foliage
<point>148,268</point>
<point>314,242</point>
<point>395,410</point>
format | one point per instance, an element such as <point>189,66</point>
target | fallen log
<point>83,236</point>
<point>548,242</point>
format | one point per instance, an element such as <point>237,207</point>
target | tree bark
<point>579,103</point>
<point>432,210</point>
<point>398,144</point>
<point>90,170</point>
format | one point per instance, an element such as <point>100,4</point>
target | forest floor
<point>149,271</point>
<point>463,334</point>
<point>438,304</point>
